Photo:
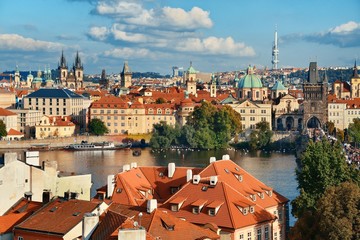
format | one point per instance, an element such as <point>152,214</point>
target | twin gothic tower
<point>74,78</point>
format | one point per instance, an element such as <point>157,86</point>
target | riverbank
<point>58,143</point>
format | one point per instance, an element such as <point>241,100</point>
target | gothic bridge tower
<point>315,98</point>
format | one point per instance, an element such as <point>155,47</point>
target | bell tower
<point>126,76</point>
<point>62,69</point>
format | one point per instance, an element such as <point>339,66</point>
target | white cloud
<point>178,17</point>
<point>134,13</point>
<point>346,28</point>
<point>118,34</point>
<point>100,33</point>
<point>129,53</point>
<point>17,42</point>
<point>214,45</point>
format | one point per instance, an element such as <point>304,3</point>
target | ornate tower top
<point>62,63</point>
<point>78,61</point>
<point>126,68</point>
<point>313,76</point>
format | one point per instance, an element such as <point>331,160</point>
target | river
<point>274,169</point>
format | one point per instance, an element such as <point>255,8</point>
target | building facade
<point>59,102</point>
<point>74,78</point>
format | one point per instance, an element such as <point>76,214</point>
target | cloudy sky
<point>154,35</point>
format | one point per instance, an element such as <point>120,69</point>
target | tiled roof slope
<point>20,211</point>
<point>143,183</point>
<point>54,93</point>
<point>159,222</point>
<point>58,216</point>
<point>5,112</point>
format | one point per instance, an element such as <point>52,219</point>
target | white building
<point>32,179</point>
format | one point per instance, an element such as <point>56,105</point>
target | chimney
<point>226,157</point>
<point>46,196</point>
<point>110,185</point>
<point>213,180</point>
<point>132,234</point>
<point>126,167</point>
<point>171,170</point>
<point>196,179</point>
<point>89,223</point>
<point>133,165</point>
<point>66,195</point>
<point>151,205</point>
<point>32,158</point>
<point>212,159</point>
<point>188,175</point>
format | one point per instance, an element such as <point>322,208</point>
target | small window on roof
<point>196,210</point>
<point>175,207</point>
<point>211,212</point>
<point>227,170</point>
<point>252,209</point>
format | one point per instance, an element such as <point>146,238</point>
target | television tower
<point>275,52</point>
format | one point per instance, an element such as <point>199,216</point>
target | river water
<point>276,170</point>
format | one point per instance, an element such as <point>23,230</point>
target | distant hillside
<point>332,74</point>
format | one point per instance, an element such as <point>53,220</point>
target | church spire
<point>355,73</point>
<point>62,63</point>
<point>77,61</point>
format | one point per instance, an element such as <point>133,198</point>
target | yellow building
<point>54,127</point>
<point>252,113</point>
<point>287,114</point>
<point>7,98</point>
<point>121,117</point>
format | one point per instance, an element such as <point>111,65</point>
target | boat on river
<point>94,146</point>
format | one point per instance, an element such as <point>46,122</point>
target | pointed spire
<point>126,68</point>
<point>325,79</point>
<point>62,63</point>
<point>355,73</point>
<point>77,60</point>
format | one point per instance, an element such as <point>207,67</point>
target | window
<point>211,212</point>
<point>242,118</point>
<point>122,111</point>
<point>242,110</point>
<point>263,111</point>
<point>20,238</point>
<point>249,236</point>
<point>101,111</point>
<point>122,117</point>
<point>108,117</point>
<point>196,210</point>
<point>115,117</point>
<point>174,207</point>
<point>252,110</point>
<point>259,234</point>
<point>115,124</point>
<point>108,111</point>
<point>115,111</point>
<point>252,118</point>
<point>266,233</point>
<point>241,236</point>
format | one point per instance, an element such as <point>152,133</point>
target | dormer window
<point>261,195</point>
<point>176,203</point>
<point>253,197</point>
<point>175,207</point>
<point>252,209</point>
<point>198,205</point>
<point>245,211</point>
<point>214,207</point>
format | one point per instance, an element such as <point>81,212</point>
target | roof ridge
<point>128,193</point>
<point>224,184</point>
<point>152,218</point>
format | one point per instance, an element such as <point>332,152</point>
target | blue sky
<point>156,35</point>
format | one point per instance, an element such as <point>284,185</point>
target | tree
<point>337,215</point>
<point>322,165</point>
<point>3,132</point>
<point>354,130</point>
<point>340,135</point>
<point>330,127</point>
<point>261,137</point>
<point>164,135</point>
<point>97,127</point>
<point>160,100</point>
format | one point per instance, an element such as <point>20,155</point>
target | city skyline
<point>156,35</point>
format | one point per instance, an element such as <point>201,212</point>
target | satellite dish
<point>136,224</point>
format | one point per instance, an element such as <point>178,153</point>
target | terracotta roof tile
<point>13,132</point>
<point>58,216</point>
<point>5,112</point>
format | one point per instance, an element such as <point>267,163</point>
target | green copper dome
<point>250,80</point>
<point>191,69</point>
<point>278,86</point>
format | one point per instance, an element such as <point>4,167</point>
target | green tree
<point>97,127</point>
<point>261,137</point>
<point>354,130</point>
<point>202,116</point>
<point>160,100</point>
<point>337,215</point>
<point>340,135</point>
<point>3,132</point>
<point>164,135</point>
<point>322,165</point>
<point>187,136</point>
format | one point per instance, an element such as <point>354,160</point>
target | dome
<point>250,80</point>
<point>278,86</point>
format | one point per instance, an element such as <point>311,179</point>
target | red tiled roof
<point>13,132</point>
<point>58,216</point>
<point>158,222</point>
<point>20,211</point>
<point>5,112</point>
